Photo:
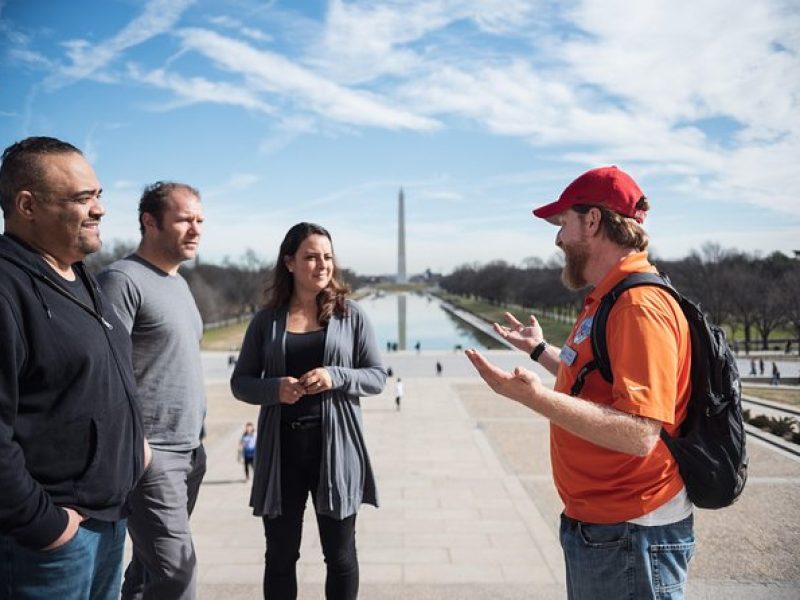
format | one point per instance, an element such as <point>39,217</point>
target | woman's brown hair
<point>330,300</point>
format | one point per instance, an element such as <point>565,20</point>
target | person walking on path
<point>72,443</point>
<point>247,448</point>
<point>627,526</point>
<point>438,368</point>
<point>776,374</point>
<point>306,359</point>
<point>158,310</point>
<point>398,393</point>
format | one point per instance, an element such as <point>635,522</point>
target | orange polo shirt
<point>650,353</point>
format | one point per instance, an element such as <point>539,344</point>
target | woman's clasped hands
<point>313,382</point>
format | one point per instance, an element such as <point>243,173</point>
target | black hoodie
<point>70,430</point>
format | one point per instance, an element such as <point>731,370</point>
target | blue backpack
<point>710,448</point>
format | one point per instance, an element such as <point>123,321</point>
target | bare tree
<point>790,300</point>
<point>109,253</point>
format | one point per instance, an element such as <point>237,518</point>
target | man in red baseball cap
<point>627,525</point>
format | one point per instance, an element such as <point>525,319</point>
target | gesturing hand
<point>520,336</point>
<point>290,390</point>
<point>316,381</point>
<point>522,385</point>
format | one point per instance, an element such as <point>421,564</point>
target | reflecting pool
<point>411,319</point>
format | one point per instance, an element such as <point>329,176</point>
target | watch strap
<point>537,351</point>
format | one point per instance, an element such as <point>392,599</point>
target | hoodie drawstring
<point>39,295</point>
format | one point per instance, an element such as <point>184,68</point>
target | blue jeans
<point>88,567</point>
<point>623,560</point>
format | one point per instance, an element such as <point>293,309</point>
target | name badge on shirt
<point>584,330</point>
<point>567,355</point>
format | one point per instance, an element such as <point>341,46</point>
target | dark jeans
<point>300,459</point>
<point>88,567</point>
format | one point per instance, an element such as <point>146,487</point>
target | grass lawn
<point>791,396</point>
<point>556,332</point>
<point>224,338</point>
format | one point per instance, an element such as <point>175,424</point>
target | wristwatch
<point>537,351</point>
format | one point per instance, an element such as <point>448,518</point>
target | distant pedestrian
<point>438,368</point>
<point>753,366</point>
<point>388,346</point>
<point>788,348</point>
<point>417,347</point>
<point>247,448</point>
<point>398,394</point>
<point>776,375</point>
<point>761,365</point>
<point>389,372</point>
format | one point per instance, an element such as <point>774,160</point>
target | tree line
<point>233,289</point>
<point>753,296</point>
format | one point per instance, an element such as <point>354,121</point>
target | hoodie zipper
<point>87,280</point>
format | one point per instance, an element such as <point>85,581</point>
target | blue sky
<point>282,111</point>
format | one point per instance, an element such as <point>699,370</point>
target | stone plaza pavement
<point>468,509</point>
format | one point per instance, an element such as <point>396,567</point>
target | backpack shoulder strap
<point>601,361</point>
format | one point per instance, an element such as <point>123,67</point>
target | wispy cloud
<point>249,32</point>
<point>87,58</point>
<point>191,90</point>
<point>29,57</point>
<point>365,40</point>
<point>255,34</point>
<point>270,72</point>
<point>237,182</point>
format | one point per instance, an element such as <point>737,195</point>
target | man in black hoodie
<point>71,438</point>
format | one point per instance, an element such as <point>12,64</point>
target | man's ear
<point>24,205</point>
<point>148,220</point>
<point>593,219</point>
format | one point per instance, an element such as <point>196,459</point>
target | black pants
<point>300,458</point>
<point>248,465</point>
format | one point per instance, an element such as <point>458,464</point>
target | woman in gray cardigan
<point>306,359</point>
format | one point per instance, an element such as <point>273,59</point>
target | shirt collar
<point>632,263</point>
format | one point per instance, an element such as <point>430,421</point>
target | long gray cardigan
<point>353,360</point>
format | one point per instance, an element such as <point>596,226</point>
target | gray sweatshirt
<point>160,313</point>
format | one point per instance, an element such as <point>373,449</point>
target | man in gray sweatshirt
<point>155,304</point>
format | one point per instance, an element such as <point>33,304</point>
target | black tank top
<point>304,351</point>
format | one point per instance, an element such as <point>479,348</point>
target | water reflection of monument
<point>401,321</point>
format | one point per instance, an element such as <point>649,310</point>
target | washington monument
<point>401,239</point>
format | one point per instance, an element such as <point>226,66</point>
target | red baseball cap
<point>605,186</point>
